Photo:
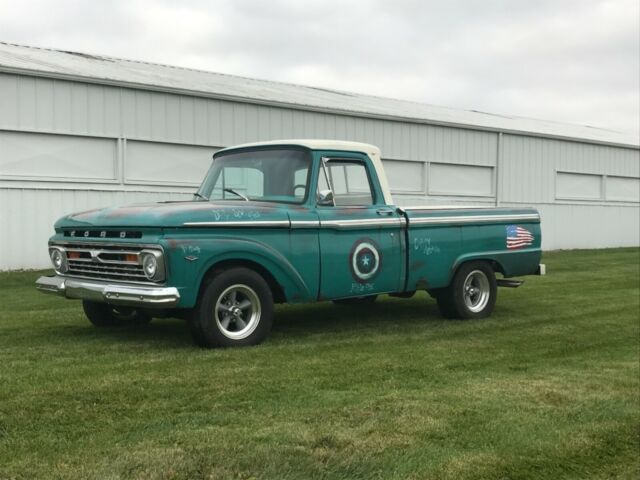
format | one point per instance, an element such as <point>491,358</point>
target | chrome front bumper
<point>106,292</point>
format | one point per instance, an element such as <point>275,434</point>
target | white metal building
<point>80,131</point>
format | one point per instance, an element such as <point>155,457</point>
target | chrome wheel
<point>476,291</point>
<point>237,312</point>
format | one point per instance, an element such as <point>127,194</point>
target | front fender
<point>191,259</point>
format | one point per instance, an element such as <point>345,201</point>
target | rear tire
<point>472,293</point>
<point>105,315</point>
<point>368,300</point>
<point>235,309</point>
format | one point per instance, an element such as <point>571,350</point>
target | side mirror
<point>325,198</point>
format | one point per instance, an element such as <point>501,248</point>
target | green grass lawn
<point>547,388</point>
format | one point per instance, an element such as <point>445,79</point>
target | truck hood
<point>175,214</point>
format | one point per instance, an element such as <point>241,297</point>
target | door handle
<point>384,211</point>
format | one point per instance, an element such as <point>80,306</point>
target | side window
<point>350,182</point>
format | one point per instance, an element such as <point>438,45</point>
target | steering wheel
<point>296,187</point>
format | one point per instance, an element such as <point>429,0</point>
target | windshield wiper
<point>199,195</point>
<point>231,190</point>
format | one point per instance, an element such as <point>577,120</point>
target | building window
<point>461,180</point>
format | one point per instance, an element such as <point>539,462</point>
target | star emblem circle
<point>365,261</point>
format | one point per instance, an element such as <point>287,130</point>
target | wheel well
<point>276,289</point>
<point>494,264</point>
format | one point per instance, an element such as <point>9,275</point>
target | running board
<point>503,282</point>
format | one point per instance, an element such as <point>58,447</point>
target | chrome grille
<point>106,261</point>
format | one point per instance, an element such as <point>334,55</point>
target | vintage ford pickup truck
<point>288,221</point>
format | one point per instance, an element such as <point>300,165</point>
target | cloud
<point>572,60</point>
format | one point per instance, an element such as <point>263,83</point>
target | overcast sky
<point>575,61</point>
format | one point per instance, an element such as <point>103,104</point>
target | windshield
<point>278,175</point>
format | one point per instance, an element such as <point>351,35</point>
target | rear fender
<point>510,263</point>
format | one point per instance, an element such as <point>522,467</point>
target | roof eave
<point>299,106</point>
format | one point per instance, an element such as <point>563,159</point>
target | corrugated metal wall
<point>67,146</point>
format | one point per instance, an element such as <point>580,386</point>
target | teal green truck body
<point>308,245</point>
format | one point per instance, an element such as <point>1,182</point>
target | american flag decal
<point>518,237</point>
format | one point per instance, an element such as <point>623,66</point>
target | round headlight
<point>59,260</point>
<point>153,265</point>
<point>150,266</point>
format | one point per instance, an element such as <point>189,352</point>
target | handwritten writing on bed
<point>424,246</point>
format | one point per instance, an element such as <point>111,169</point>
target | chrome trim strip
<point>132,274</point>
<point>103,261</point>
<point>305,224</point>
<point>83,263</point>
<point>300,224</point>
<point>82,241</point>
<point>362,223</point>
<point>446,207</point>
<point>463,219</point>
<point>129,295</point>
<point>100,250</point>
<point>242,224</point>
<point>92,278</point>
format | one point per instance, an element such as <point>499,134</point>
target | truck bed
<point>439,239</point>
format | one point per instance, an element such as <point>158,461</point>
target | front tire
<point>472,293</point>
<point>235,309</point>
<point>105,315</point>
